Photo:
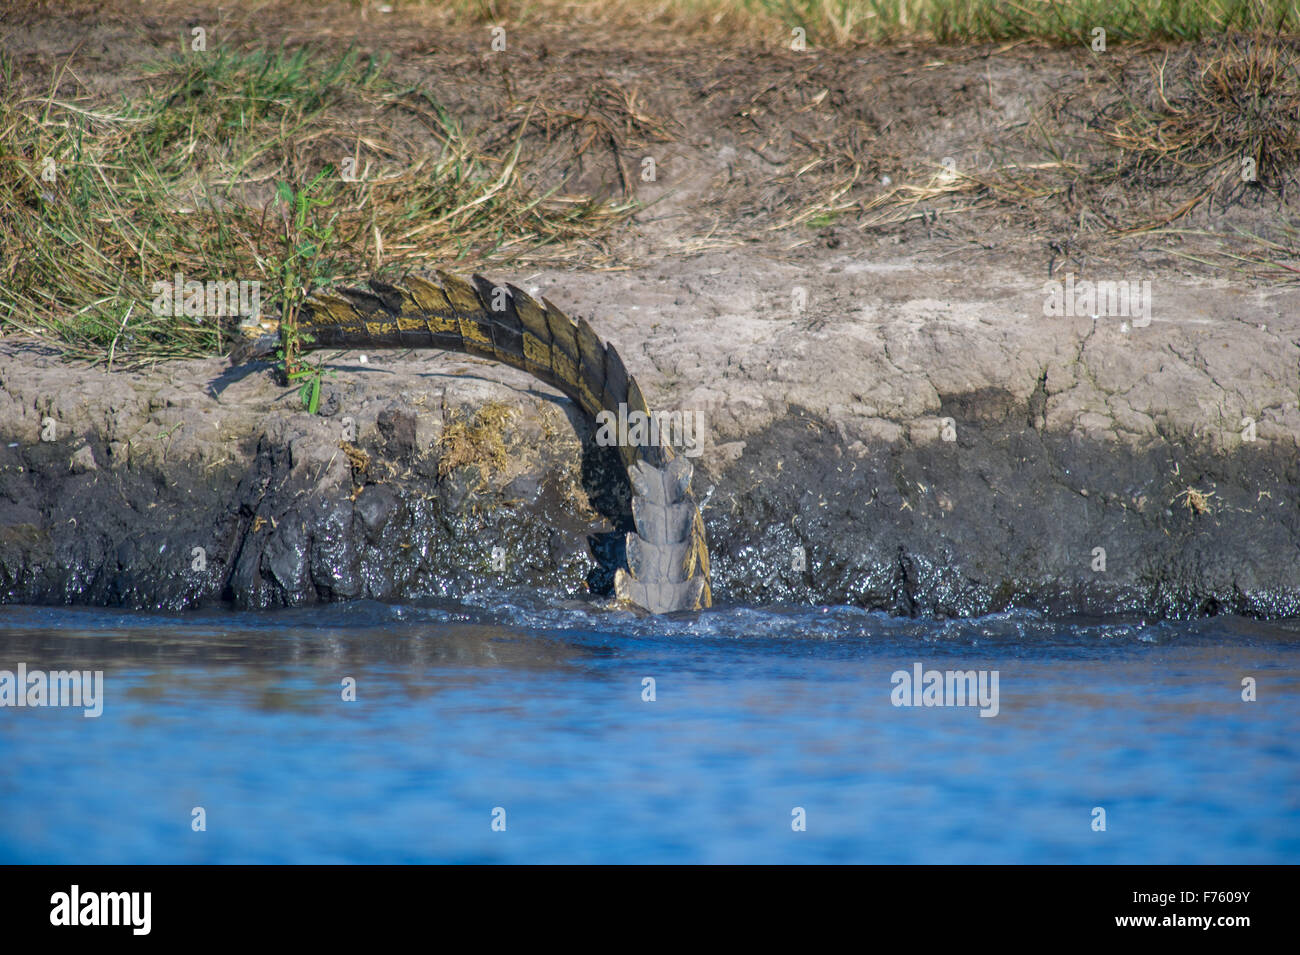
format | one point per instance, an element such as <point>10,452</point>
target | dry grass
<point>229,165</point>
<point>1019,184</point>
<point>1196,501</point>
<point>851,22</point>
<point>478,441</point>
<point>1222,118</point>
<point>1217,122</point>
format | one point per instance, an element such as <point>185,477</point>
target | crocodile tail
<point>668,554</point>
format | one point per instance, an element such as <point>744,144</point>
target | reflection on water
<point>538,709</point>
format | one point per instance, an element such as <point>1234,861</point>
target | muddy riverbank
<point>952,453</point>
<point>954,350</point>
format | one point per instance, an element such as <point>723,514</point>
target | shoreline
<point>973,483</point>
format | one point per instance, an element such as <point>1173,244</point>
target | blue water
<point>537,709</point>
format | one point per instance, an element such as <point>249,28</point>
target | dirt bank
<point>901,439</point>
<point>901,410</point>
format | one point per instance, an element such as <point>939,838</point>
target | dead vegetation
<point>1196,501</point>
<point>477,441</point>
<point>1223,119</point>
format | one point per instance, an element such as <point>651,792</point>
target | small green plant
<point>306,262</point>
<point>823,220</point>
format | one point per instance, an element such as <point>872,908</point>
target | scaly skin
<point>668,555</point>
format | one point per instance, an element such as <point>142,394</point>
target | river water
<point>510,729</point>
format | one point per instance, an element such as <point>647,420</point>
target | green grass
<point>198,169</point>
<point>843,22</point>
<point>1063,21</point>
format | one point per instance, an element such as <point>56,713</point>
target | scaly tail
<point>668,555</point>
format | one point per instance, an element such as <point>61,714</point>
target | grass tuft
<point>1221,117</point>
<point>477,441</point>
<point>202,169</point>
